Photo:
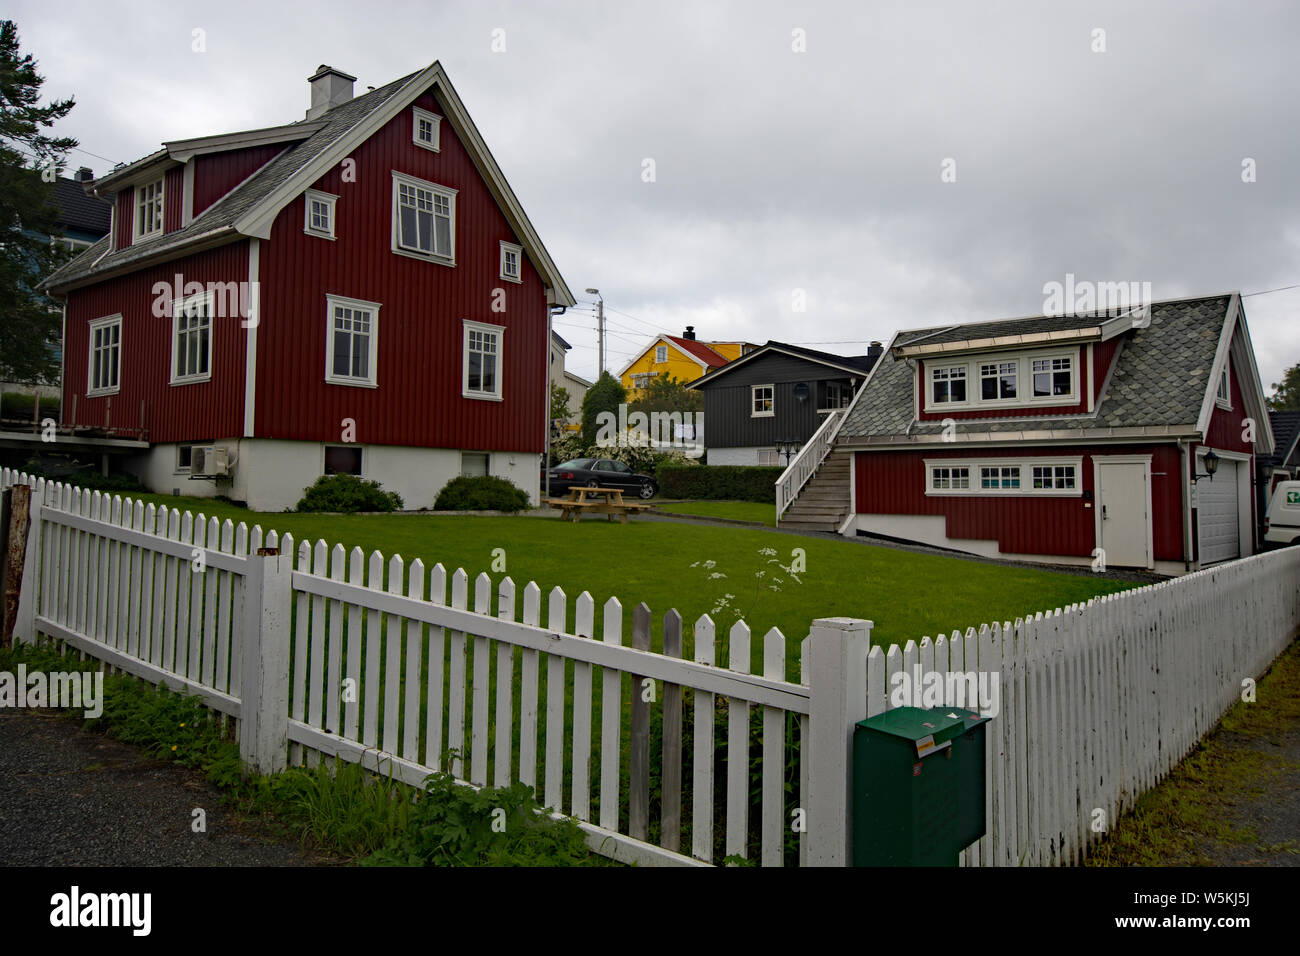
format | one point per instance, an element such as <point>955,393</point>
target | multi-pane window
<point>105,355</point>
<point>661,353</point>
<point>425,128</point>
<point>948,479</point>
<point>148,209</point>
<point>192,340</point>
<point>482,360</point>
<point>948,384</point>
<point>998,380</point>
<point>319,213</point>
<point>510,255</point>
<point>1054,376</point>
<point>425,218</point>
<point>764,400</point>
<point>1224,394</point>
<point>1000,476</point>
<point>351,346</point>
<point>1055,477</point>
<point>838,395</point>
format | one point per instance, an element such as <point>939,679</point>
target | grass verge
<point>734,510</point>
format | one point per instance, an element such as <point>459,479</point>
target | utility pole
<point>600,330</point>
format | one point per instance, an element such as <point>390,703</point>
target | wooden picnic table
<point>595,500</point>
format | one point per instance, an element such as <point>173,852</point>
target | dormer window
<point>998,380</point>
<point>948,385</point>
<point>1053,376</point>
<point>1002,381</point>
<point>148,209</point>
<point>319,214</point>
<point>425,128</point>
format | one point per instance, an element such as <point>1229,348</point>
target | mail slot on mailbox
<point>918,786</point>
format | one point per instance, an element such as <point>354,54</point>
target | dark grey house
<point>777,394</point>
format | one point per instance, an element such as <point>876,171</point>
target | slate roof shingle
<point>1286,426</point>
<point>1159,378</point>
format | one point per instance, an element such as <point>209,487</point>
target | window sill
<point>103,392</point>
<point>191,380</point>
<point>762,414</point>
<point>515,279</point>
<point>319,235</point>
<point>429,146</point>
<point>422,257</point>
<point>481,396</point>
<point>1220,403</point>
<point>351,382</point>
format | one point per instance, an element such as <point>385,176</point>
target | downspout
<point>1183,448</point>
<point>551,313</point>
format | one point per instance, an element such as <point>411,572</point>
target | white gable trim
<point>258,220</point>
<point>671,344</point>
<point>1252,389</point>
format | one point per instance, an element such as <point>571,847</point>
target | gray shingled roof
<point>1160,377</point>
<point>1285,426</point>
<point>223,213</point>
<point>1004,327</point>
<point>78,210</point>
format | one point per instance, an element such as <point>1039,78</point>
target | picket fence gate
<point>406,670</point>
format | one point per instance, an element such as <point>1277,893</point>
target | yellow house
<point>683,357</point>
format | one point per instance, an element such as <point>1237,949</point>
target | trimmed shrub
<point>348,493</point>
<point>480,493</point>
<point>719,482</point>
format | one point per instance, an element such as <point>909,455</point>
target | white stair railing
<point>805,464</point>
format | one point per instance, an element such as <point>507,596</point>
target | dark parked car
<point>599,472</point>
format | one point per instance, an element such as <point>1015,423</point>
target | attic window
<point>510,256</point>
<point>1223,397</point>
<point>425,128</point>
<point>148,209</point>
<point>661,353</point>
<point>319,214</point>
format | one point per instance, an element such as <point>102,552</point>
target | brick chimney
<point>689,333</point>
<point>874,350</point>
<point>329,88</point>
<point>84,175</point>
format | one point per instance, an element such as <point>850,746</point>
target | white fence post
<point>25,621</point>
<point>837,685</point>
<point>264,688</point>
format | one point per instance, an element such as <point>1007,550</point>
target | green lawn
<point>907,595</point>
<point>736,510</point>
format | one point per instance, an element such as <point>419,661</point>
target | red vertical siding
<point>893,482</point>
<point>1226,431</point>
<point>1103,353</point>
<point>218,173</point>
<point>1006,411</point>
<point>173,193</point>
<point>194,412</point>
<point>420,336</point>
<point>125,218</point>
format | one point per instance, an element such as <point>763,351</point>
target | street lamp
<point>600,330</point>
<point>787,447</point>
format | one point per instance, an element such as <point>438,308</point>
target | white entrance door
<point>1217,514</point>
<point>1123,515</point>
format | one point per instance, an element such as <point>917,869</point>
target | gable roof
<point>851,364</point>
<point>1157,386</point>
<point>77,210</point>
<point>1286,437</point>
<point>693,349</point>
<point>250,208</point>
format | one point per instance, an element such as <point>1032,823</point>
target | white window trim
<point>136,234</point>
<point>1225,378</point>
<point>418,114</point>
<point>661,349</point>
<point>1026,489</point>
<point>1024,382</point>
<point>94,326</point>
<point>398,179</point>
<point>519,261</point>
<point>185,469</point>
<point>753,389</point>
<point>371,380</point>
<point>330,200</point>
<point>499,331</point>
<point>178,307</point>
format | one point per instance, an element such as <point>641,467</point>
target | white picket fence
<point>316,652</point>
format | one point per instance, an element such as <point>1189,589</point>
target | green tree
<point>604,396</point>
<point>1286,393</point>
<point>30,160</point>
<point>667,395</point>
<point>559,403</point>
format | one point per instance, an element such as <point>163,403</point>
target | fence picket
<point>773,802</point>
<point>482,668</point>
<point>374,645</point>
<point>670,812</point>
<point>356,629</point>
<point>528,674</point>
<point>414,666</point>
<point>638,786</point>
<point>392,654</point>
<point>433,720</point>
<point>611,718</point>
<point>503,754</point>
<point>738,748</point>
<point>456,688</point>
<point>584,623</point>
<point>702,760</point>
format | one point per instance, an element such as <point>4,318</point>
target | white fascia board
<point>184,149</point>
<point>1254,397</point>
<point>1220,359</point>
<point>1092,333</point>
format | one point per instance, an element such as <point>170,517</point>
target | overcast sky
<point>778,169</point>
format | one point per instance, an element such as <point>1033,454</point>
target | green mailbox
<point>918,786</point>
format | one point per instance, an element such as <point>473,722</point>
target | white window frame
<point>845,392</point>
<point>418,114</point>
<point>179,307</point>
<point>329,200</point>
<point>469,326</point>
<point>997,378</point>
<point>1223,393</point>
<point>1025,465</point>
<point>182,469</point>
<point>106,322</point>
<point>1024,381</point>
<point>137,206</point>
<point>661,354</point>
<point>401,179</point>
<point>754,399</point>
<point>950,377</point>
<point>506,248</point>
<point>371,378</point>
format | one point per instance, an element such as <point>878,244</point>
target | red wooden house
<point>358,291</point>
<point>1056,438</point>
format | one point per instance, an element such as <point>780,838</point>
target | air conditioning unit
<point>209,461</point>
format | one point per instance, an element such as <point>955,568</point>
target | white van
<point>1282,519</point>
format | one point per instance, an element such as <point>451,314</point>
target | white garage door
<point>1217,514</point>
